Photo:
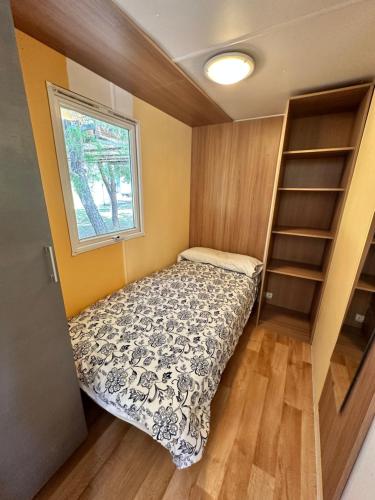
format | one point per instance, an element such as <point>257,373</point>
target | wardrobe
<point>41,415</point>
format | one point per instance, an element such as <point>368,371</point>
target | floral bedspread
<point>153,352</point>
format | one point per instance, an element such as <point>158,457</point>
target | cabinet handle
<point>54,277</point>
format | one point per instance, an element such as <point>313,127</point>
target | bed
<point>153,353</point>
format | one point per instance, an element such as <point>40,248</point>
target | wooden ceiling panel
<point>98,35</point>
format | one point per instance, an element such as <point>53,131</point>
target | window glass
<point>98,155</point>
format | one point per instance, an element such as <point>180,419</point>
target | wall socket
<point>360,318</point>
<point>269,295</point>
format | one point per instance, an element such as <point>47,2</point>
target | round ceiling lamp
<point>229,67</point>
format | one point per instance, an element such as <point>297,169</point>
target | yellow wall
<point>165,149</point>
<point>356,220</point>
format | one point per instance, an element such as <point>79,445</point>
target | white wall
<point>361,484</point>
<point>85,82</point>
<point>89,84</point>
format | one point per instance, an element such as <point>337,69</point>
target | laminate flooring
<point>261,444</point>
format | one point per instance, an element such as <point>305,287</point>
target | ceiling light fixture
<point>229,67</point>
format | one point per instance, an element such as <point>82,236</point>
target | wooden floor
<point>261,444</point>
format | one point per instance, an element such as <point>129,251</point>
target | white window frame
<point>61,97</point>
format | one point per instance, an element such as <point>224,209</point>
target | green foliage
<point>97,152</point>
<point>98,143</point>
<point>74,147</point>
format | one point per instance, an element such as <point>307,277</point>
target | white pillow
<point>243,264</point>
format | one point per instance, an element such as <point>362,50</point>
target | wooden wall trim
<point>232,179</point>
<point>272,208</point>
<point>98,35</point>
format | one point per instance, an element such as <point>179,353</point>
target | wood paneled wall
<point>232,177</point>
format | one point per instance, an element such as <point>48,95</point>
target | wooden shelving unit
<point>366,283</point>
<point>295,269</point>
<point>366,280</point>
<point>314,190</point>
<point>318,149</point>
<point>364,287</point>
<point>318,153</point>
<point>306,232</point>
<point>286,319</point>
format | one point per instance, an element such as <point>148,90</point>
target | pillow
<point>232,261</point>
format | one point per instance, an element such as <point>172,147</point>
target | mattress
<point>153,353</point>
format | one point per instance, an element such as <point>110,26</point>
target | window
<point>98,156</point>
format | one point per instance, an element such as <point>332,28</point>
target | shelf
<point>292,321</point>
<point>351,336</point>
<point>328,101</point>
<point>313,190</point>
<point>318,153</point>
<point>295,269</point>
<point>301,231</point>
<point>366,283</point>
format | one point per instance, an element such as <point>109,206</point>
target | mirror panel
<point>358,328</point>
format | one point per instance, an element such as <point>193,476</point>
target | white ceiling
<point>298,45</point>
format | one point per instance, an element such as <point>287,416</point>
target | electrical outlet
<point>360,318</point>
<point>269,295</point>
